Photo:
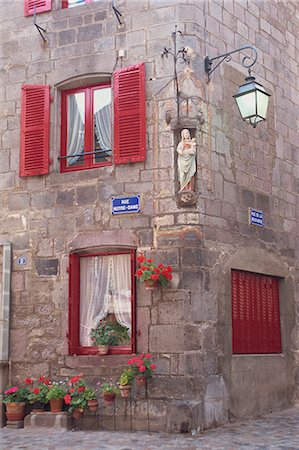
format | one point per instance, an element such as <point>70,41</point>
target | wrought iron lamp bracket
<point>247,61</point>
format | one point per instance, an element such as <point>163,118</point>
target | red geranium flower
<point>147,355</point>
<point>28,381</point>
<point>142,369</point>
<point>140,258</point>
<point>81,389</point>
<point>47,382</point>
<point>169,268</point>
<point>139,273</point>
<point>149,261</point>
<point>155,276</point>
<point>41,378</point>
<point>67,399</point>
<point>75,379</point>
<point>143,268</point>
<point>71,390</point>
<point>152,366</point>
<point>36,391</point>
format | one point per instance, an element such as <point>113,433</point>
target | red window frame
<point>65,3</point>
<point>88,129</point>
<point>74,306</point>
<point>255,313</point>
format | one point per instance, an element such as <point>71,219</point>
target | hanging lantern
<point>252,101</point>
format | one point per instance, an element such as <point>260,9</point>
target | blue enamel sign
<point>256,217</point>
<point>126,205</point>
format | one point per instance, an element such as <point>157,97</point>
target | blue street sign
<point>126,205</point>
<point>22,261</point>
<point>256,217</point>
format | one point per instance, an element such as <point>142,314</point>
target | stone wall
<point>187,326</point>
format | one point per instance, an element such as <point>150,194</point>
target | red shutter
<point>129,115</point>
<point>255,313</point>
<point>74,303</point>
<point>40,5</point>
<point>35,127</point>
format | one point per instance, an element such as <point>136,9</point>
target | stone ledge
<point>49,420</point>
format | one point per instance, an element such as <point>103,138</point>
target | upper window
<point>86,128</point>
<point>72,3</point>
<point>102,291</point>
<point>255,313</point>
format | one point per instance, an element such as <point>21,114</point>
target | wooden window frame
<point>88,129</point>
<point>74,306</point>
<point>256,327</point>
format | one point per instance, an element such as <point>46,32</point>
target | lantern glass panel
<point>262,104</point>
<point>247,104</point>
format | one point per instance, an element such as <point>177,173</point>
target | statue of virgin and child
<point>186,150</point>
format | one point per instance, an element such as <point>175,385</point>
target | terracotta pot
<point>92,405</point>
<point>15,411</point>
<point>141,380</point>
<point>103,349</point>
<point>151,285</point>
<point>108,398</point>
<point>56,405</point>
<point>77,413</point>
<point>125,390</point>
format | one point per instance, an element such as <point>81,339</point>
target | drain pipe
<point>4,322</point>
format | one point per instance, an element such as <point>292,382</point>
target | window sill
<point>81,361</point>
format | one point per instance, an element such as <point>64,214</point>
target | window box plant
<point>106,334</point>
<point>55,396</point>
<point>15,399</point>
<point>142,367</point>
<point>153,275</point>
<point>125,381</point>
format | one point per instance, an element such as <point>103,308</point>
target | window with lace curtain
<point>86,128</point>
<point>101,290</point>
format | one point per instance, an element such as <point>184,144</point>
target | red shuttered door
<point>35,126</point>
<point>40,5</point>
<point>129,115</point>
<point>255,313</point>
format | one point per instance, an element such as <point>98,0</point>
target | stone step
<point>61,420</point>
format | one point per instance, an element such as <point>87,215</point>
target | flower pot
<point>151,285</point>
<point>37,407</point>
<point>56,405</point>
<point>103,349</point>
<point>108,398</point>
<point>92,405</point>
<point>141,380</point>
<point>77,413</point>
<point>125,390</point>
<point>15,411</point>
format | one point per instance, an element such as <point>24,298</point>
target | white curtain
<point>121,289</point>
<point>102,121</point>
<point>75,131</point>
<point>94,294</point>
<point>101,278</point>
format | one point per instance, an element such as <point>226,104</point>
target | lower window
<point>255,313</point>
<point>102,296</point>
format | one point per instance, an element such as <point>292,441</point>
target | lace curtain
<point>75,130</point>
<point>105,287</point>
<point>102,121</point>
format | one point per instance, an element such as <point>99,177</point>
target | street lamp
<point>251,98</point>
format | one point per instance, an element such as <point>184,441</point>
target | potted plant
<point>125,381</point>
<point>55,396</point>
<point>153,274</point>
<point>75,397</point>
<point>109,391</point>
<point>15,398</point>
<point>105,335</point>
<point>38,393</point>
<point>91,397</point>
<point>142,367</point>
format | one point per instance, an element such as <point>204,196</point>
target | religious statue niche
<point>186,168</point>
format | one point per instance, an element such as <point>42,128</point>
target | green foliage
<point>90,394</point>
<point>56,392</point>
<point>109,333</point>
<point>126,377</point>
<point>110,388</point>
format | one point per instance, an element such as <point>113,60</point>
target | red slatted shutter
<point>129,115</point>
<point>255,313</point>
<point>40,5</point>
<point>35,128</point>
<point>74,303</point>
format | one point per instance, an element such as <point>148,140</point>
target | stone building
<point>90,117</point>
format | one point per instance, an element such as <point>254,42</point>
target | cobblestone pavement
<point>276,431</point>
